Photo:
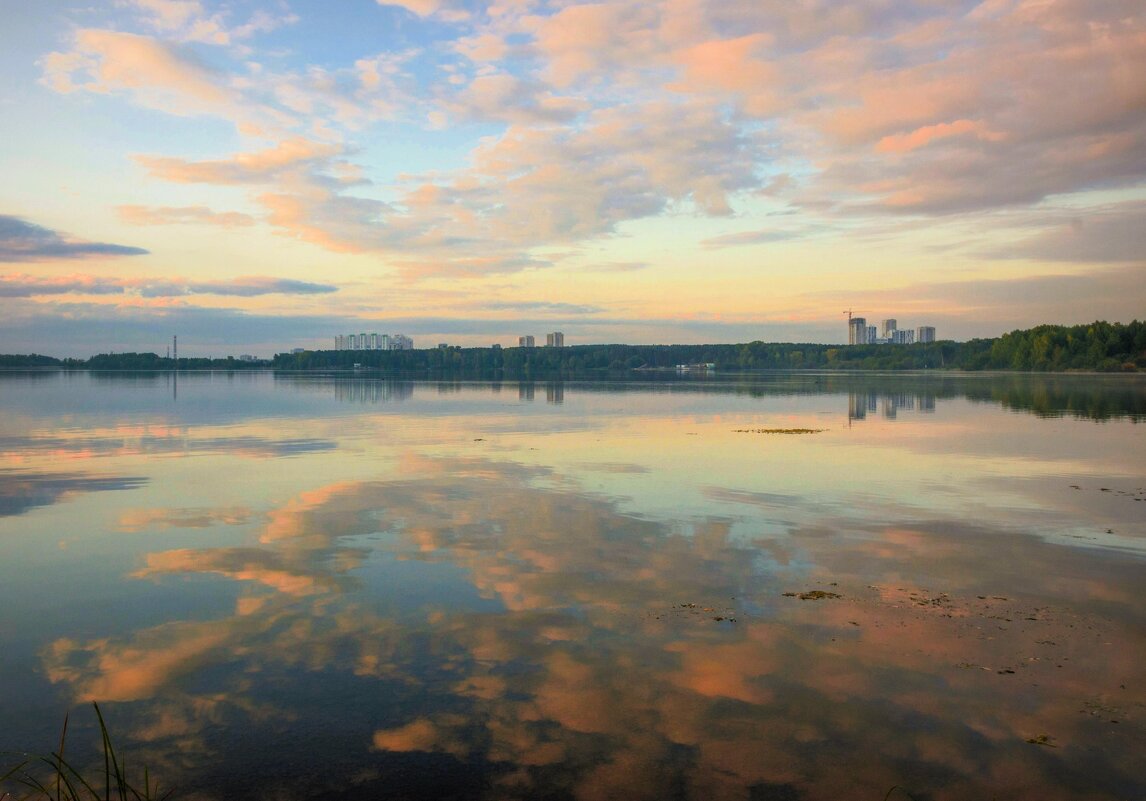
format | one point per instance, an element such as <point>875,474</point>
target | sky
<point>259,176</point>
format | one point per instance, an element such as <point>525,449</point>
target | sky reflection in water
<point>309,587</point>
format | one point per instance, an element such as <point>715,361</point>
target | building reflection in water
<point>555,392</point>
<point>861,404</point>
<point>365,390</point>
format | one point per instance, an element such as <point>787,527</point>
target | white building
<point>373,341</point>
<point>888,333</point>
<point>555,340</point>
<point>526,341</point>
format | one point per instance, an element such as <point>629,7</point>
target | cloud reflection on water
<point>595,666</point>
<point>21,490</point>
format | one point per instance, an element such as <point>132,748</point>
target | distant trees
<point>29,361</point>
<point>1099,346</point>
<point>153,361</point>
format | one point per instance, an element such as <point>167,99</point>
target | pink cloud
<point>259,167</point>
<point>188,20</point>
<point>171,215</point>
<point>901,143</point>
<point>589,41</point>
<point>154,73</point>
<point>733,66</point>
<point>450,10</point>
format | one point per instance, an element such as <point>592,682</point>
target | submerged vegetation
<point>52,777</point>
<point>777,430</point>
<point>1098,346</point>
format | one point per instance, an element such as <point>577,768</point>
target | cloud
<point>246,287</point>
<point>468,267</point>
<point>594,42</point>
<point>962,309</point>
<point>180,215</point>
<point>22,490</point>
<point>757,237</point>
<point>63,329</point>
<point>22,241</point>
<point>1114,233</point>
<point>188,21</point>
<point>901,143</point>
<point>291,157</point>
<point>155,74</point>
<point>616,267</point>
<point>593,115</point>
<point>950,111</point>
<point>306,200</point>
<point>504,97</point>
<point>550,307</point>
<point>332,221</point>
<point>26,286</point>
<point>531,186</point>
<point>538,186</point>
<point>448,10</point>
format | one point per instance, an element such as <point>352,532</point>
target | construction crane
<point>849,314</point>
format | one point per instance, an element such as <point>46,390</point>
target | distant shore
<point>1095,347</point>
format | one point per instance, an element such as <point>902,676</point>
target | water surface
<point>299,587</point>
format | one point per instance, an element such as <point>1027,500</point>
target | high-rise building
<point>902,337</point>
<point>555,340</point>
<point>857,331</point>
<point>926,333</point>
<point>872,335</point>
<point>373,341</point>
<point>526,341</point>
<point>889,327</point>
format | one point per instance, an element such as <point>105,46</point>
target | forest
<point>1098,346</point>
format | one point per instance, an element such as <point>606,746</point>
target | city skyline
<point>258,176</point>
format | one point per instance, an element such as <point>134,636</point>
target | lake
<point>785,586</point>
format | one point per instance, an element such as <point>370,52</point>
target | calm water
<point>283,587</point>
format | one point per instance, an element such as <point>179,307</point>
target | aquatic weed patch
<point>778,430</point>
<point>52,777</point>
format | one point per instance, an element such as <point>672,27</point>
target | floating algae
<point>777,430</point>
<point>813,595</point>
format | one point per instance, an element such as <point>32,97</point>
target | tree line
<point>130,361</point>
<point>1101,346</point>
